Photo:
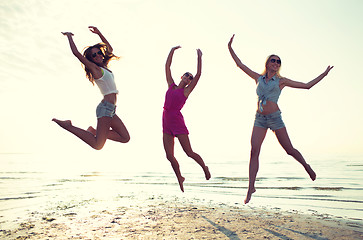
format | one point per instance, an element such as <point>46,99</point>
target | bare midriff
<point>111,98</point>
<point>269,108</point>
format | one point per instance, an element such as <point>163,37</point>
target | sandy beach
<point>155,217</point>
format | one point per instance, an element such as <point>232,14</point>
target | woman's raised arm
<point>244,68</point>
<point>76,53</point>
<point>95,30</point>
<point>195,80</point>
<point>72,44</point>
<point>169,78</point>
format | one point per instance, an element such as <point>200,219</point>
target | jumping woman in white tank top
<point>109,126</point>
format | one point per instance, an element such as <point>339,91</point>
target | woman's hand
<point>328,70</point>
<point>230,41</point>
<point>67,34</point>
<point>94,30</point>
<point>175,48</point>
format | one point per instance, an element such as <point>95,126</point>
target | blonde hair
<point>267,61</point>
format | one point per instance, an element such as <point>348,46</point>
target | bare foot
<point>311,172</point>
<point>92,130</point>
<point>181,181</point>
<point>207,173</point>
<point>64,124</point>
<point>249,195</point>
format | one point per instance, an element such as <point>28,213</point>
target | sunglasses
<point>275,60</point>
<point>188,76</point>
<point>95,54</point>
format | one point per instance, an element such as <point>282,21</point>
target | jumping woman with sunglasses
<point>268,115</point>
<point>173,121</point>
<point>109,126</point>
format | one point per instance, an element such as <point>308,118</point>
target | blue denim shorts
<point>105,109</point>
<point>272,121</point>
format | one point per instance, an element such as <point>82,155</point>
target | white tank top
<point>106,83</point>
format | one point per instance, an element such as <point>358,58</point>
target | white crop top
<point>106,83</point>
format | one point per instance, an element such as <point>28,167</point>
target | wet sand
<point>136,217</point>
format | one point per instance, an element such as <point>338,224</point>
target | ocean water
<point>31,183</point>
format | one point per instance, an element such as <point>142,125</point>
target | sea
<point>34,182</point>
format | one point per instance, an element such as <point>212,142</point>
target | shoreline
<point>160,217</point>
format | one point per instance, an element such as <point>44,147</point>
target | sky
<point>41,79</point>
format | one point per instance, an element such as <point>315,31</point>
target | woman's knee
<point>98,146</point>
<point>170,157</point>
<point>255,151</point>
<point>126,139</point>
<point>191,154</point>
<point>100,142</point>
<point>292,151</point>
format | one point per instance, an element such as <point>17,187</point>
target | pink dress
<point>173,121</point>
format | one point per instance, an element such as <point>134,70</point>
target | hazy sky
<point>41,79</point>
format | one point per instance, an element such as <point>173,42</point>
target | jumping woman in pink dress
<point>109,126</point>
<point>268,115</point>
<point>173,121</point>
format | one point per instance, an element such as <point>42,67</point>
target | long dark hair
<point>107,57</point>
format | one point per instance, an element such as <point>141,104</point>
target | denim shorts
<point>105,109</point>
<point>272,121</point>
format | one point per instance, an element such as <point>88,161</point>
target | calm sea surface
<point>30,183</point>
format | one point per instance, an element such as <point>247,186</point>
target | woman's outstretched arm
<point>294,84</point>
<point>195,80</point>
<point>72,45</point>
<point>103,39</point>
<point>169,78</point>
<point>243,67</point>
<point>78,55</point>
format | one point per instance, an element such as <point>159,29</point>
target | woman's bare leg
<point>185,143</point>
<point>95,141</point>
<point>168,141</point>
<point>118,131</point>
<point>258,135</point>
<point>285,142</point>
